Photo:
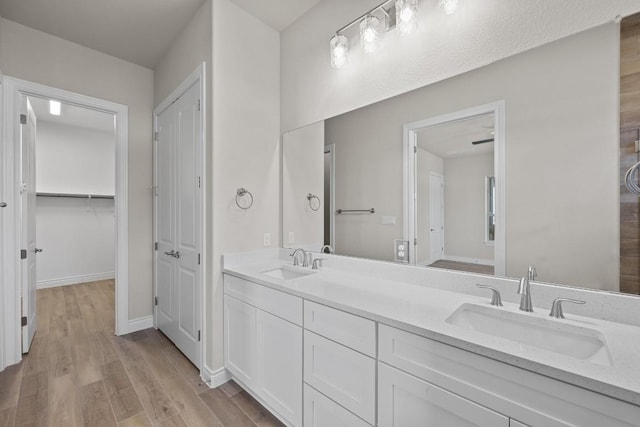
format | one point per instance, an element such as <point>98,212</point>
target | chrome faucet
<point>326,247</point>
<point>295,254</point>
<point>524,289</point>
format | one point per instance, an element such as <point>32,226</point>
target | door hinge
<point>155,300</point>
<point>198,105</point>
<point>198,259</point>
<point>24,320</point>
<point>415,149</point>
<point>155,246</point>
<point>198,335</point>
<point>156,136</point>
<point>23,254</point>
<point>23,119</point>
<point>199,182</point>
<point>415,241</point>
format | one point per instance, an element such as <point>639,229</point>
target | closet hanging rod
<point>341,211</point>
<point>76,196</point>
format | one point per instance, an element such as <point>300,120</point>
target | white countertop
<point>423,310</point>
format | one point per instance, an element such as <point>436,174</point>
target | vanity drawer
<point>530,398</point>
<point>320,411</point>
<point>342,374</point>
<point>283,305</point>
<point>353,331</point>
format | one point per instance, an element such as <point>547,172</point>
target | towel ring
<point>240,194</point>
<point>311,197</point>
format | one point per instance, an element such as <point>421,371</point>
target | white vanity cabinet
<point>263,351</point>
<point>339,362</point>
<point>415,371</point>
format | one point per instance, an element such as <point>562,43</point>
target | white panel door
<point>436,217</point>
<point>406,401</point>
<point>28,217</point>
<point>178,207</point>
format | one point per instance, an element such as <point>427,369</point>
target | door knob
<point>3,204</point>
<point>36,250</point>
<point>175,254</point>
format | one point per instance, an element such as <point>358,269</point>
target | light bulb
<point>369,33</point>
<point>449,6</point>
<point>339,50</point>
<point>407,16</point>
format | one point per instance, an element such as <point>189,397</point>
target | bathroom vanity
<point>366,343</point>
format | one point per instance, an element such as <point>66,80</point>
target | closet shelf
<point>77,196</point>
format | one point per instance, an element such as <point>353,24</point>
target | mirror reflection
<point>550,197</point>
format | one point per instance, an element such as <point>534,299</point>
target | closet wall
<point>77,235</point>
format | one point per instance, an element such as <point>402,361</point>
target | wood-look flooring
<point>78,373</point>
<point>463,266</point>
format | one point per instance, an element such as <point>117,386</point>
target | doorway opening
<point>64,168</point>
<point>454,190</point>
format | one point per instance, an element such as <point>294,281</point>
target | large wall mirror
<point>558,186</point>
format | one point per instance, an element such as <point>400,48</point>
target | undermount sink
<point>546,334</point>
<point>283,273</point>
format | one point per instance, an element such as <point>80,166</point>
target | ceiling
<point>73,115</point>
<point>450,140</point>
<point>138,31</point>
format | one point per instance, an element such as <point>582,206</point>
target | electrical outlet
<point>401,250</point>
<point>267,239</point>
<point>291,239</point>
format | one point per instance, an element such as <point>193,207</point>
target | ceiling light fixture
<point>339,50</point>
<point>54,107</point>
<point>449,6</point>
<point>407,16</point>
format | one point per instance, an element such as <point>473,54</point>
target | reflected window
<point>490,192</point>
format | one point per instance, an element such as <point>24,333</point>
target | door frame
<point>330,149</point>
<point>431,259</point>
<point>410,139</point>
<point>13,89</point>
<point>196,77</point>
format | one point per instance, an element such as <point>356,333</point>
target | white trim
<point>214,378</point>
<point>469,260</point>
<point>13,89</point>
<point>410,137</point>
<point>331,150</point>
<point>139,324</point>
<point>72,280</point>
<point>198,76</point>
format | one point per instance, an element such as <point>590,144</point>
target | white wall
<point>41,58</point>
<point>464,209</point>
<point>561,153</point>
<point>246,141</point>
<point>77,235</point>
<point>71,159</point>
<point>303,173</point>
<point>480,33</point>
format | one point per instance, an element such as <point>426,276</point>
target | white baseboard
<point>469,260</point>
<point>215,378</point>
<point>139,324</point>
<point>72,280</point>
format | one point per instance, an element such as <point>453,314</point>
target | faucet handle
<point>495,296</point>
<point>317,263</point>
<point>556,307</point>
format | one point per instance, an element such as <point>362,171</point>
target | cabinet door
<point>240,355</point>
<point>407,401</point>
<point>280,365</point>
<point>320,411</point>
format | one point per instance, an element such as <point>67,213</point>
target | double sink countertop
<point>456,318</point>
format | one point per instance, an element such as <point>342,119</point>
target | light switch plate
<point>388,220</point>
<point>291,239</point>
<point>267,239</point>
<point>401,251</point>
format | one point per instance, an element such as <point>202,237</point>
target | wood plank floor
<point>78,373</point>
<point>464,266</point>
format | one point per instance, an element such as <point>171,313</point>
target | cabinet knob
<point>3,204</point>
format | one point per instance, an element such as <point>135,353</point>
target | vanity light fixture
<point>407,16</point>
<point>369,37</point>
<point>54,107</point>
<point>339,50</point>
<point>449,6</point>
